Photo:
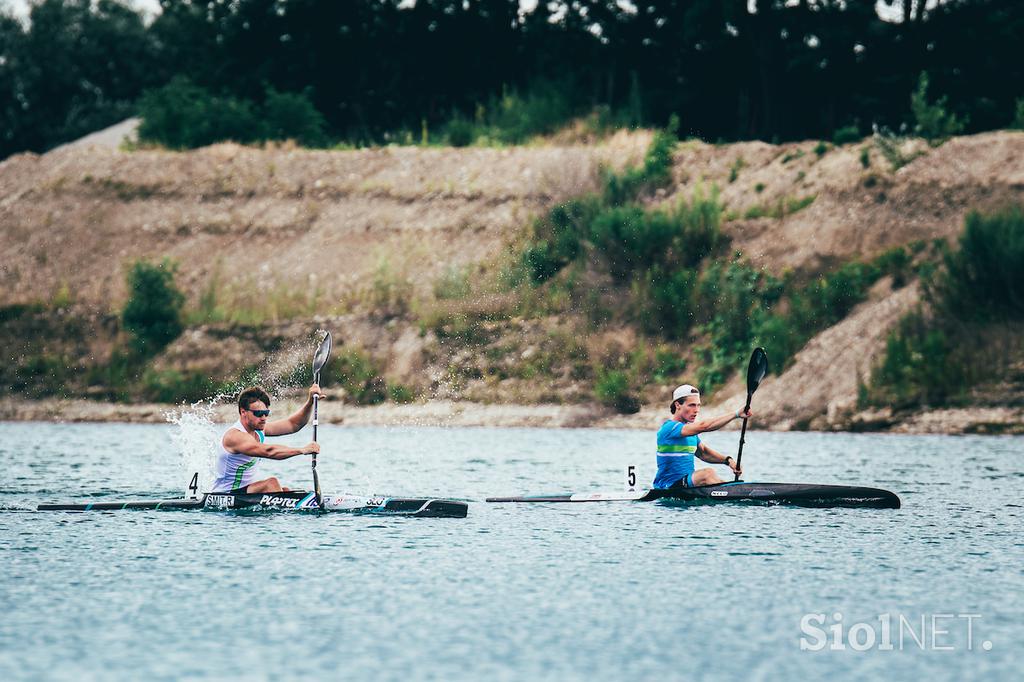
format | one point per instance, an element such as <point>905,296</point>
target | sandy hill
<point>248,221</point>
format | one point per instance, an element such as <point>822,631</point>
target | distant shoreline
<point>949,421</point>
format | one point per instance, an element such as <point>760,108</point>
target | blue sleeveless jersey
<point>675,454</point>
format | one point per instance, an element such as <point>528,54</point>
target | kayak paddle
<point>323,352</point>
<point>755,372</point>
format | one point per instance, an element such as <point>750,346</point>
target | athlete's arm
<point>714,423</point>
<point>241,443</point>
<point>283,427</point>
<point>712,456</point>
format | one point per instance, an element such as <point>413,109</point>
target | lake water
<point>602,591</point>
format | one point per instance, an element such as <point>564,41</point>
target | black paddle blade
<point>323,352</point>
<point>756,369</point>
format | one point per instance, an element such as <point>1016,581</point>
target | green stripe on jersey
<point>687,449</point>
<point>240,471</point>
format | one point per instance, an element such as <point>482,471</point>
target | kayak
<point>796,494</point>
<point>295,500</point>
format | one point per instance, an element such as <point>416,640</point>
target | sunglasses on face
<point>260,413</point>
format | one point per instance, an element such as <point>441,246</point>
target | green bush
<point>632,239</point>
<point>821,149</point>
<point>865,157</point>
<point>782,207</point>
<point>916,367</point>
<point>152,314</point>
<point>15,310</point>
<point>890,146</point>
<point>515,117</point>
<point>932,121</point>
<point>612,388</point>
<point>896,262</point>
<point>453,284</point>
<point>182,115</point>
<point>541,262</point>
<point>113,380</point>
<point>846,135</point>
<point>292,116</point>
<point>1018,115</point>
<point>731,299</point>
<point>38,375</point>
<point>668,364</point>
<point>172,386</point>
<point>741,307</point>
<point>971,332</point>
<point>400,394</point>
<point>460,132</point>
<point>664,300</point>
<point>734,170</point>
<point>825,301</point>
<point>556,238</point>
<point>621,188</point>
<point>983,279</point>
<point>629,237</point>
<point>356,372</point>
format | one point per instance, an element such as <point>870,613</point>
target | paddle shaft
<point>316,419</point>
<point>743,437</point>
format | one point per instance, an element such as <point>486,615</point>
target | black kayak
<point>796,494</point>
<point>295,500</point>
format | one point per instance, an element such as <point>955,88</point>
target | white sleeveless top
<point>234,470</point>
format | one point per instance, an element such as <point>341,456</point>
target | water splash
<point>196,440</point>
<point>289,367</point>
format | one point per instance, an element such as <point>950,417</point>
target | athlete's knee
<point>273,485</point>
<point>709,477</point>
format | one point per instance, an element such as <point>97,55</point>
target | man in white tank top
<point>242,445</point>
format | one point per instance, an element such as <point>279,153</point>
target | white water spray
<point>196,441</point>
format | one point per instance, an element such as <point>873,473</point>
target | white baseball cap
<point>683,391</point>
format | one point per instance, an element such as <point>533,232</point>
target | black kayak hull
<point>295,500</point>
<point>795,494</point>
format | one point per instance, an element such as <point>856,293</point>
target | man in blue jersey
<point>679,443</point>
<point>242,445</point>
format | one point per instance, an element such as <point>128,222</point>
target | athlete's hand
<point>310,448</point>
<point>314,390</point>
<point>736,468</point>
<point>744,413</point>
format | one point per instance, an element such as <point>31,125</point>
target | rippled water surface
<point>573,591</point>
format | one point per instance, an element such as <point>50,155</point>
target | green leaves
<point>152,314</point>
<point>984,279</point>
<point>182,115</point>
<point>933,121</point>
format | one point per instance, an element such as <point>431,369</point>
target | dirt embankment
<point>245,222</point>
<point>238,218</point>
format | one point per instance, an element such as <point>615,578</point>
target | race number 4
<point>193,486</point>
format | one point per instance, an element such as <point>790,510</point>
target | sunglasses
<point>260,413</point>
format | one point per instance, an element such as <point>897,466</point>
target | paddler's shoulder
<point>668,426</point>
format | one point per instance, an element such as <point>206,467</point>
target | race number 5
<point>631,476</point>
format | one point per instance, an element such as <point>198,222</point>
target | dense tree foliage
<point>730,69</point>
